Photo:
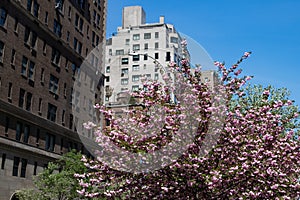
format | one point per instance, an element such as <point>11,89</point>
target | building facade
<point>47,50</point>
<point>138,50</point>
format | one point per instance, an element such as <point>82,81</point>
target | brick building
<point>47,48</point>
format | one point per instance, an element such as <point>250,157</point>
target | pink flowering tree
<point>202,144</point>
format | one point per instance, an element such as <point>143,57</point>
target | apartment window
<point>3,161</point>
<point>136,47</point>
<point>3,15</point>
<point>107,69</point>
<point>29,3</point>
<point>81,3</point>
<point>124,81</point>
<point>55,58</point>
<point>107,79</point>
<point>135,88</point>
<point>1,51</point>
<point>13,56</point>
<point>156,56</point>
<point>21,98</point>
<point>174,40</point>
<point>59,5</point>
<point>35,168</point>
<point>28,101</point>
<point>94,17</point>
<point>6,125</point>
<point>23,167</point>
<point>135,67</point>
<point>68,36</point>
<point>97,40</point>
<point>136,57</point>
<point>63,117</point>
<point>70,12</point>
<point>127,41</point>
<point>80,24</point>
<point>124,61</point>
<point>53,84</point>
<point>147,35</point>
<point>145,57</point>
<point>71,122</point>
<point>42,75</point>
<point>146,46</point>
<point>57,28</point>
<point>168,56</point>
<point>46,17</point>
<point>155,76</point>
<point>31,70</point>
<point>18,131</point>
<point>26,133</point>
<point>50,142</point>
<point>9,94</point>
<point>124,71</point>
<point>156,35</point>
<point>76,20</point>
<point>16,166</point>
<point>36,8</point>
<point>40,105</point>
<point>136,36</point>
<point>65,90</point>
<point>110,52</point>
<point>156,45</point>
<point>135,78</point>
<point>16,26</point>
<point>75,43</point>
<point>120,52</point>
<point>51,112</point>
<point>98,20</point>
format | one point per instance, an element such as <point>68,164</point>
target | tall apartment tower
<point>47,48</point>
<point>138,49</point>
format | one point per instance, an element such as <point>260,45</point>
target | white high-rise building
<point>138,49</point>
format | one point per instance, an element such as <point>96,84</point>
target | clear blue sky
<point>226,29</point>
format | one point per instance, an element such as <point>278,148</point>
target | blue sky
<point>226,29</point>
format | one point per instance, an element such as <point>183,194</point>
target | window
<point>40,105</point>
<point>57,28</point>
<point>3,161</point>
<point>35,168</point>
<point>18,131</point>
<point>107,79</point>
<point>68,36</point>
<point>16,26</point>
<point>147,35</point>
<point>80,24</point>
<point>59,5</point>
<point>50,142</point>
<point>168,56</point>
<point>46,18</point>
<point>156,35</point>
<point>63,117</point>
<point>55,58</point>
<point>124,61</point>
<point>26,133</point>
<point>124,71</point>
<point>127,41</point>
<point>1,51</point>
<point>21,98</point>
<point>136,47</point>
<point>135,88</point>
<point>155,76</point>
<point>36,8</point>
<point>6,125</point>
<point>124,81</point>
<point>156,45</point>
<point>146,46</point>
<point>16,166</point>
<point>65,90</point>
<point>81,3</point>
<point>135,78</point>
<point>53,84</point>
<point>71,121</point>
<point>42,75</point>
<point>76,20</point>
<point>3,15</point>
<point>94,17</point>
<point>51,112</point>
<point>70,12</point>
<point>28,101</point>
<point>23,167</point>
<point>156,55</point>
<point>110,52</point>
<point>145,57</point>
<point>9,90</point>
<point>98,20</point>
<point>29,3</point>
<point>135,67</point>
<point>136,57</point>
<point>136,36</point>
<point>174,40</point>
<point>31,70</point>
<point>13,56</point>
<point>120,52</point>
<point>107,69</point>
